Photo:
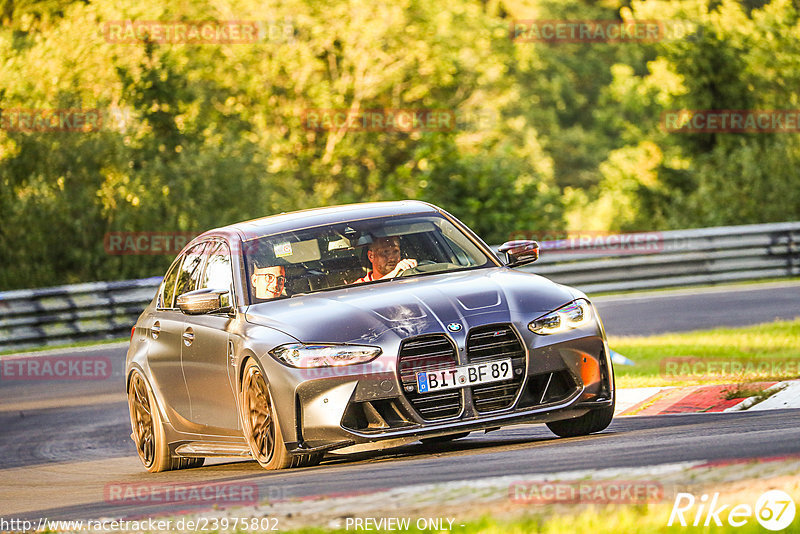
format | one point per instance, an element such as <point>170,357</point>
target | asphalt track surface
<point>658,312</point>
<point>63,444</point>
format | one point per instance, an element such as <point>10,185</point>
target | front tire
<point>261,428</point>
<point>588,423</point>
<point>147,429</point>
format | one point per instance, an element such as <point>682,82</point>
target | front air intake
<point>491,343</point>
<point>429,353</point>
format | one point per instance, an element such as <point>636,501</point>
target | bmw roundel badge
<point>454,327</point>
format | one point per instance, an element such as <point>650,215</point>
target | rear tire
<point>593,421</point>
<point>147,429</point>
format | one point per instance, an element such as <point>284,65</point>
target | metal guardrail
<point>673,258</point>
<point>63,314</point>
<point>599,263</point>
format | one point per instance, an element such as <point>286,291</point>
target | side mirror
<point>520,252</point>
<point>202,301</point>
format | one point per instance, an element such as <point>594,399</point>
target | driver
<point>384,255</point>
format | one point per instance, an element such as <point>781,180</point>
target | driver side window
<point>190,270</point>
<point>217,274</point>
<point>166,297</point>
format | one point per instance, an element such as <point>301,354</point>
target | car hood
<point>412,306</point>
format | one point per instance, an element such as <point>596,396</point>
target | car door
<point>166,331</point>
<point>206,358</point>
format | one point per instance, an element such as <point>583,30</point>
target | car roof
<point>309,218</point>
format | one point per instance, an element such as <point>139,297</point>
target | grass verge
<point>765,352</point>
<point>76,344</point>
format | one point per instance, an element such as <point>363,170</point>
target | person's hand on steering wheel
<point>401,266</point>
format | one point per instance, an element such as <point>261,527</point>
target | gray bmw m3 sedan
<point>353,328</point>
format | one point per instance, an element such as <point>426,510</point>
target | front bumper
<point>370,406</point>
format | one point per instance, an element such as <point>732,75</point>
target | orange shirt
<point>367,278</point>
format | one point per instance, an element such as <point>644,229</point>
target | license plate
<point>467,375</point>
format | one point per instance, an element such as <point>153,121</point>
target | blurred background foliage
<point>552,136</point>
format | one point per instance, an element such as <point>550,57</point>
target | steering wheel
<point>416,270</point>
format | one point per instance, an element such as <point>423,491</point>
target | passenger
<point>384,255</point>
<point>269,281</point>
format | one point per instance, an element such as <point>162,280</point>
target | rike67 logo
<point>774,510</point>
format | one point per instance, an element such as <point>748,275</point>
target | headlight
<point>306,356</point>
<point>573,315</point>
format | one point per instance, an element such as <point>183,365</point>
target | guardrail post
<point>793,253</point>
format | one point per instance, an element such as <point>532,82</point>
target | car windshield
<point>339,255</point>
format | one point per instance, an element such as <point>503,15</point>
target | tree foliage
<point>549,136</point>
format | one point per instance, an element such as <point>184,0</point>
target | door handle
<point>188,336</point>
<point>155,330</point>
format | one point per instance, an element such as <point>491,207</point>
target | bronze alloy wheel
<point>261,427</point>
<point>147,430</point>
<point>141,420</point>
<point>259,422</point>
